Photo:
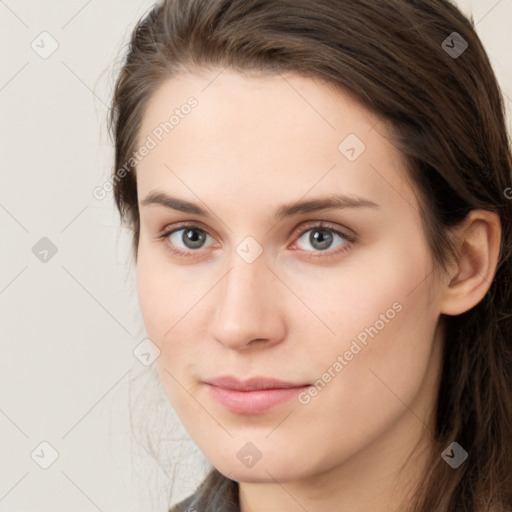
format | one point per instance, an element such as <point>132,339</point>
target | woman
<point>322,237</point>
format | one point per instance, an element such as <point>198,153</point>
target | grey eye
<point>321,239</point>
<point>191,238</point>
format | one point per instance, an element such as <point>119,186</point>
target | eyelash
<point>319,226</point>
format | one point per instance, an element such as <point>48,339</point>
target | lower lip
<point>253,402</point>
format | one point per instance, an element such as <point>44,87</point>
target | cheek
<point>378,309</point>
<point>154,295</point>
<point>384,317</point>
<point>162,305</point>
<point>166,292</point>
<point>366,289</point>
<point>170,301</point>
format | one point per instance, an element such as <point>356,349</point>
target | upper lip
<point>252,384</point>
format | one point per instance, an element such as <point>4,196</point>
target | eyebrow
<point>334,201</point>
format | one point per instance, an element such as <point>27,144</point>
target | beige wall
<point>70,325</point>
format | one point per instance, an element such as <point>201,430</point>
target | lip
<point>252,396</point>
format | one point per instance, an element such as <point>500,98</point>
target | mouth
<point>252,396</point>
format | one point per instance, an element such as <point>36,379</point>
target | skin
<point>252,144</point>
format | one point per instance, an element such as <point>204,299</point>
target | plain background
<point>70,324</point>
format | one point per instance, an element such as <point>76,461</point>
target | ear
<point>471,275</point>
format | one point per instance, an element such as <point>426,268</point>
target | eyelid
<point>192,224</point>
<point>328,226</point>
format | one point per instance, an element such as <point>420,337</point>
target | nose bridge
<point>243,290</point>
<point>245,306</point>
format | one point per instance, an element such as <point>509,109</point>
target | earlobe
<point>479,240</point>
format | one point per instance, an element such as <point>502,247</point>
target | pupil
<point>320,239</point>
<point>193,238</point>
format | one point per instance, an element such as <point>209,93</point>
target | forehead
<point>264,133</point>
<point>226,99</point>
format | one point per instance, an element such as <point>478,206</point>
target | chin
<point>265,470</point>
<point>255,475</point>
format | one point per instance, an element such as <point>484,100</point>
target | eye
<point>185,239</point>
<point>322,238</point>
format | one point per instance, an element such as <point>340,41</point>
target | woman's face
<point>259,288</point>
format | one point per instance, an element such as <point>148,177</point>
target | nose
<point>248,311</point>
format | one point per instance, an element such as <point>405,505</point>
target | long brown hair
<point>448,119</point>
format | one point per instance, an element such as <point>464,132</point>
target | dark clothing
<point>185,505</point>
<point>216,493</point>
